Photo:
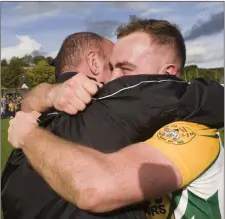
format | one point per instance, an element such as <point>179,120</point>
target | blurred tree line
<point>34,70</point>
<point>192,71</point>
<point>28,69</point>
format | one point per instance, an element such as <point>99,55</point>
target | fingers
<point>16,134</point>
<point>69,103</point>
<point>77,101</point>
<point>70,109</point>
<point>99,84</point>
<point>81,93</point>
<point>89,85</point>
<point>73,95</point>
<point>78,104</point>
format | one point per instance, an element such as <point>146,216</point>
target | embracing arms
<point>90,179</point>
<point>102,182</point>
<point>38,98</point>
<point>61,96</point>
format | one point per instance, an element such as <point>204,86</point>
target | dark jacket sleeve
<point>203,103</point>
<point>114,121</point>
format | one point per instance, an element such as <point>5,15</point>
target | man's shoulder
<point>139,83</point>
<point>192,147</point>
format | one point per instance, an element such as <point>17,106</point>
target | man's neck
<point>65,76</point>
<point>69,70</point>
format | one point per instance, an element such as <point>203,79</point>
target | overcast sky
<point>40,27</point>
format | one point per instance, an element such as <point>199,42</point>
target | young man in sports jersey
<point>160,169</point>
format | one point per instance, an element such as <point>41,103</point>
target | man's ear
<point>93,62</point>
<point>169,69</point>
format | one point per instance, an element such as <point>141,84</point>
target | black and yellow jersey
<point>197,152</point>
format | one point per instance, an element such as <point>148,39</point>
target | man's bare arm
<point>100,182</point>
<point>38,99</point>
<point>70,97</point>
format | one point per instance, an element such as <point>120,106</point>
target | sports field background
<point>6,147</point>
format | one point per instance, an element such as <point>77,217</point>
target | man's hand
<point>21,126</point>
<point>73,95</point>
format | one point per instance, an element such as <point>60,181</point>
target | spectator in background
<point>11,109</point>
<point>2,110</point>
<point>10,104</point>
<point>7,108</point>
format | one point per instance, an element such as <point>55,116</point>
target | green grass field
<point>6,147</point>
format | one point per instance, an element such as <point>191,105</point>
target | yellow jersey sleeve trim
<point>191,147</point>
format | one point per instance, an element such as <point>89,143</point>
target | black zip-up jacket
<point>125,111</point>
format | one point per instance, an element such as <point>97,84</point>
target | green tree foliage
<point>4,63</point>
<point>11,74</point>
<point>27,60</point>
<point>49,60</point>
<point>41,73</point>
<point>192,71</point>
<point>29,77</point>
<point>34,70</point>
<point>37,59</point>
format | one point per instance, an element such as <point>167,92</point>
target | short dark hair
<point>161,32</point>
<point>73,49</point>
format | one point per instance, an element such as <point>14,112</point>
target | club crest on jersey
<point>176,134</point>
